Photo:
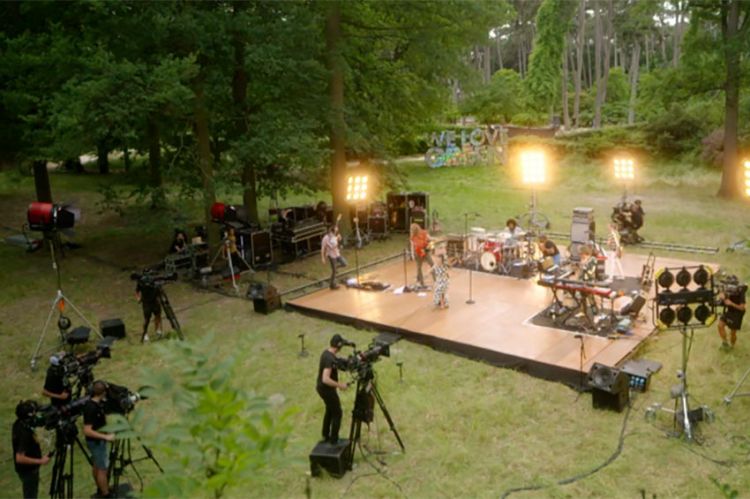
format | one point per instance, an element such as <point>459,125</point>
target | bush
<point>675,132</point>
<point>598,143</point>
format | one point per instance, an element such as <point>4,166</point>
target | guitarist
<point>420,249</point>
<point>330,250</point>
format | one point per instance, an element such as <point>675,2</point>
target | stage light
<point>624,169</point>
<point>48,216</point>
<point>533,165</point>
<point>357,188</point>
<point>221,213</point>
<point>747,178</point>
<point>694,301</point>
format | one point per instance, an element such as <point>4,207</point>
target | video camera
<point>360,363</point>
<point>120,400</point>
<point>79,367</point>
<point>151,278</point>
<point>52,417</point>
<point>728,285</point>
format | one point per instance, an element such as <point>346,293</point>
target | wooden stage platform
<point>496,328</point>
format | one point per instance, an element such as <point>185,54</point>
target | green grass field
<point>470,429</point>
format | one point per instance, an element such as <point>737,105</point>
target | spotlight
<point>533,164</point>
<point>48,216</point>
<point>624,169</point>
<point>221,213</point>
<point>357,188</point>
<point>692,304</point>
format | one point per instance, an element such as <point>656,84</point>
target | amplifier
<point>334,459</point>
<point>265,297</point>
<point>261,250</point>
<point>377,225</point>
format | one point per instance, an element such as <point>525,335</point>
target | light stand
<point>533,169</point>
<point>357,245</point>
<point>226,248</point>
<point>728,399</point>
<point>58,303</point>
<point>407,289</point>
<point>121,457</point>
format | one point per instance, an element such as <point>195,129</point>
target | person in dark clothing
<point>56,385</point>
<point>93,419</point>
<point>179,242</point>
<point>326,385</point>
<point>734,312</point>
<point>27,453</point>
<point>148,295</point>
<point>637,214</point>
<point>549,249</point>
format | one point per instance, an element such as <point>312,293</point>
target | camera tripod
<point>121,456</point>
<point>228,249</point>
<point>161,295</point>
<point>364,411</point>
<point>66,437</point>
<point>58,303</point>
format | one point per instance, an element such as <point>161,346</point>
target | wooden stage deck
<point>496,328</point>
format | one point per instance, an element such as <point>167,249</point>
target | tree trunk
<point>635,64</point>
<point>677,37</point>
<point>154,162</point>
<point>126,158</point>
<point>647,41</point>
<point>601,87</point>
<point>731,179</point>
<point>487,63</point>
<point>499,49</point>
<point>334,62</point>
<point>102,156</point>
<point>41,182</point>
<point>580,40</point>
<point>564,94</point>
<point>205,161</point>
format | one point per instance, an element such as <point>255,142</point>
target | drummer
<point>512,228</point>
<point>549,249</point>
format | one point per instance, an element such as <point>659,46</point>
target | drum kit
<point>497,251</point>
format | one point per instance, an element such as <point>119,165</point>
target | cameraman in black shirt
<point>147,293</point>
<point>27,453</point>
<point>327,383</point>
<point>56,385</point>
<point>734,311</point>
<point>93,419</point>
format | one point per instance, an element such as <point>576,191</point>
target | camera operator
<point>56,385</point>
<point>27,453</point>
<point>93,419</point>
<point>734,311</point>
<point>326,385</point>
<point>147,293</point>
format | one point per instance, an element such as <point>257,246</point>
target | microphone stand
<point>470,301</point>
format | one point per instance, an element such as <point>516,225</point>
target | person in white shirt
<point>329,249</point>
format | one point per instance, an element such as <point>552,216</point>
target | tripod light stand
<point>58,304</point>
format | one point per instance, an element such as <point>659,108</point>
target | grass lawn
<point>470,429</point>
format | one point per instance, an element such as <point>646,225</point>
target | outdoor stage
<point>496,328</point>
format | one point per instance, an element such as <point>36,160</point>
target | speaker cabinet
<point>332,458</point>
<point>397,211</point>
<point>112,327</point>
<point>261,250</point>
<point>609,387</point>
<point>265,298</point>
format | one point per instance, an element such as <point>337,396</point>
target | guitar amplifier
<point>261,249</point>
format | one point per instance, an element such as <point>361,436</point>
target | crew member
<point>27,453</point>
<point>511,226</point>
<point>56,385</point>
<point>420,243</point>
<point>549,249</point>
<point>179,242</point>
<point>93,419</point>
<point>734,312</point>
<point>326,385</point>
<point>637,214</point>
<point>329,250</point>
<point>147,294</point>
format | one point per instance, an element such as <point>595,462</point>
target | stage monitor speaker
<point>609,387</point>
<point>112,327</point>
<point>261,251</point>
<point>633,308</point>
<point>334,459</point>
<point>265,297</point>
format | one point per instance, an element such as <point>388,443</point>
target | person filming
<point>148,295</point>
<point>56,385</point>
<point>326,386</point>
<point>27,453</point>
<point>734,311</point>
<point>94,418</point>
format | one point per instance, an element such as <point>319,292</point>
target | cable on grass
<point>585,474</point>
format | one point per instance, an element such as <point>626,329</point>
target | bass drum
<point>488,261</point>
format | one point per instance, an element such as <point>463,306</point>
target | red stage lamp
<point>48,216</point>
<point>221,213</point>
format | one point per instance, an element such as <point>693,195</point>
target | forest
<point>270,97</point>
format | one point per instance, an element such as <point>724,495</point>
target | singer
<point>326,386</point>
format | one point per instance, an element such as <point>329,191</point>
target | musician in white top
<point>512,228</point>
<point>329,249</point>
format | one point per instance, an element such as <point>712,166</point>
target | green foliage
<point>602,142</point>
<point>498,102</point>
<point>675,132</point>
<point>726,490</point>
<point>223,435</point>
